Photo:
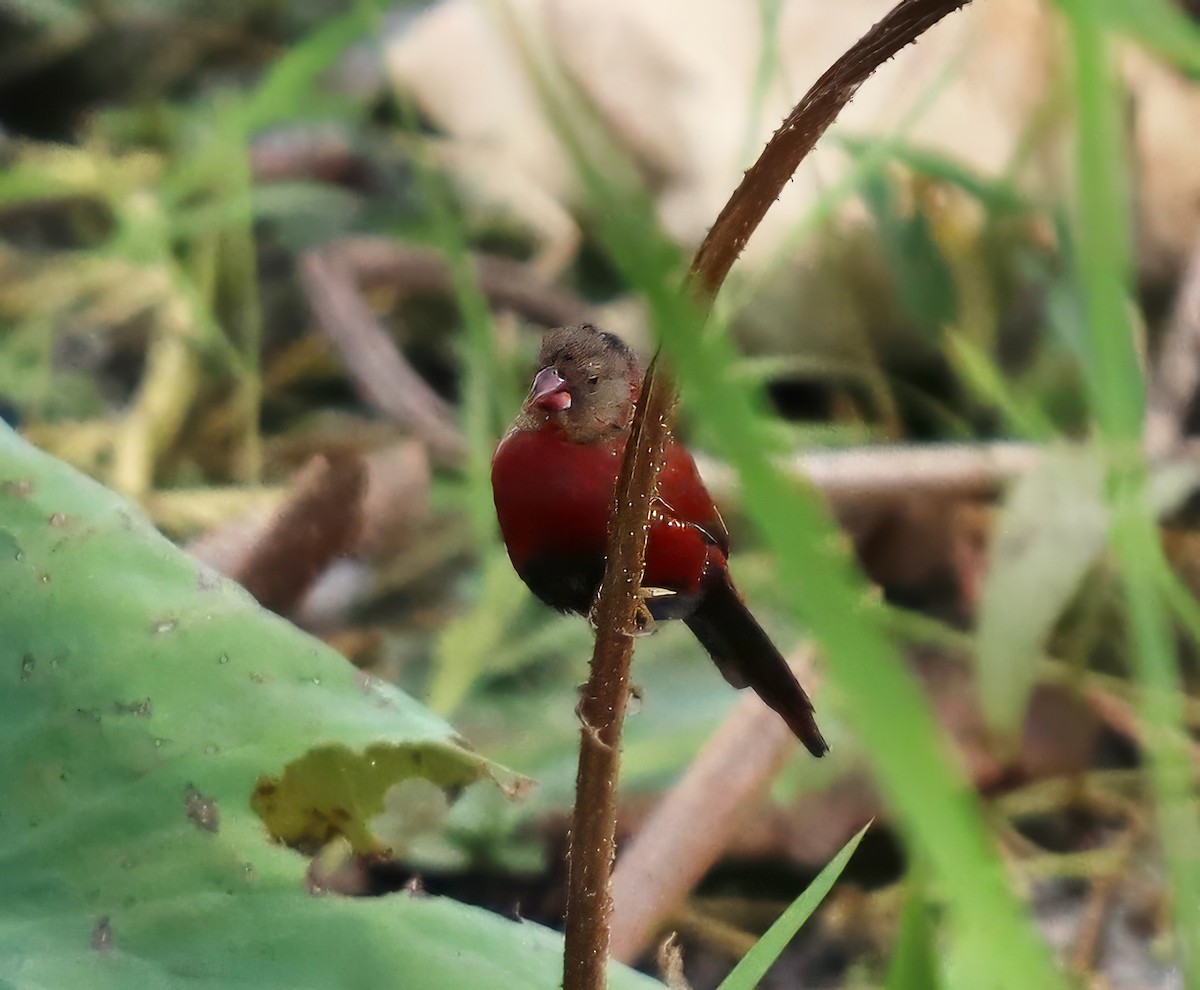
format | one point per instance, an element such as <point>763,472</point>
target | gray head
<point>587,383</point>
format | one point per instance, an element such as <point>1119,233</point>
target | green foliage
<point>148,704</point>
<point>1117,399</point>
<point>919,271</point>
<point>485,640</point>
<point>753,966</point>
<point>914,958</point>
<point>1052,528</point>
<point>145,696</point>
<point>1158,24</point>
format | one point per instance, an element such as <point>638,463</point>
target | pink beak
<point>549,391</point>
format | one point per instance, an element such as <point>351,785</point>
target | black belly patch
<point>569,584</point>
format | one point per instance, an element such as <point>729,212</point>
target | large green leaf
<point>147,703</point>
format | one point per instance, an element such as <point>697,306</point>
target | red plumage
<point>553,478</point>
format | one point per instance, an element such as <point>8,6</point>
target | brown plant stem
<point>800,131</point>
<point>692,826</point>
<point>602,708</point>
<point>409,270</point>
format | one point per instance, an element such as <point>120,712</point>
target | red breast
<point>554,497</point>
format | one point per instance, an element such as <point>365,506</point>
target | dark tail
<point>748,658</point>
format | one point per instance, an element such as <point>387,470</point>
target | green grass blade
<point>936,810</point>
<point>1116,392</point>
<point>470,646</point>
<point>914,963</point>
<point>1157,24</point>
<point>765,72</point>
<point>1111,366</point>
<point>753,966</point>
<point>290,89</point>
<point>982,374</point>
<point>1053,526</point>
<point>485,398</point>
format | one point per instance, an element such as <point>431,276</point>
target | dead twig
<point>320,521</point>
<point>333,279</point>
<point>314,153</point>
<point>231,522</point>
<point>378,369</point>
<point>1104,887</point>
<point>1122,717</point>
<point>504,283</point>
<point>954,469</point>
<point>670,965</point>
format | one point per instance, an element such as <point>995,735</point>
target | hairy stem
<point>602,709</point>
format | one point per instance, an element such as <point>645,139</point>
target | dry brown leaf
<point>320,521</point>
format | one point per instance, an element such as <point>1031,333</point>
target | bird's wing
<point>686,499</point>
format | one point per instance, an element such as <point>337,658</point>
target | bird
<point>554,475</point>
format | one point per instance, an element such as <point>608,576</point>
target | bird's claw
<point>643,621</point>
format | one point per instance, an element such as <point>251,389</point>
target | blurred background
<point>277,272</point>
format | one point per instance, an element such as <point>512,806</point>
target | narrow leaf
<point>754,964</point>
<point>1052,528</point>
<point>913,962</point>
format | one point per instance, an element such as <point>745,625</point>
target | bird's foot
<point>643,621</point>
